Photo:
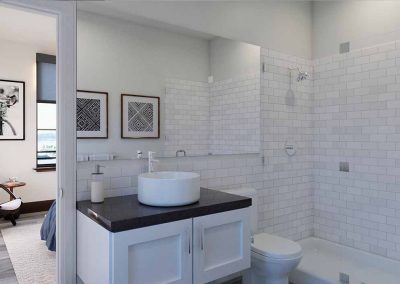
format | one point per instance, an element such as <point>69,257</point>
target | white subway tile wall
<point>219,118</point>
<point>287,118</point>
<point>187,112</point>
<point>235,115</point>
<point>357,110</point>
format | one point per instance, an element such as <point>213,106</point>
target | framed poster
<point>12,110</point>
<point>92,114</point>
<point>140,116</point>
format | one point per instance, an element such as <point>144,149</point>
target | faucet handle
<point>97,168</point>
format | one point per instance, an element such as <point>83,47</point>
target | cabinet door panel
<point>93,255</point>
<point>219,253</point>
<point>144,264</point>
<point>154,255</point>
<point>222,244</point>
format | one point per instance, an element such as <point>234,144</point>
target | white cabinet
<point>195,250</point>
<point>222,245</point>
<point>155,254</point>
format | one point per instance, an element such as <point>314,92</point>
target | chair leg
<point>12,220</point>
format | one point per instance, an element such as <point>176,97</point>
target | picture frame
<point>12,110</point>
<point>140,117</point>
<point>91,114</point>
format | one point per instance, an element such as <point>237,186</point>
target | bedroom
<point>28,174</point>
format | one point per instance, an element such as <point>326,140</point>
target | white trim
<point>65,11</point>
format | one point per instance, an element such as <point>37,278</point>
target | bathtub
<point>323,261</point>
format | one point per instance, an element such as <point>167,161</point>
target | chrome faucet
<point>180,151</point>
<point>151,161</point>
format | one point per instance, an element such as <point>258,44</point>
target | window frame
<point>43,58</point>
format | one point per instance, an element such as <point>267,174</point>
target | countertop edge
<point>162,217</point>
<point>172,216</point>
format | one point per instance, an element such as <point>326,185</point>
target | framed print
<point>92,114</point>
<point>140,116</point>
<point>12,110</point>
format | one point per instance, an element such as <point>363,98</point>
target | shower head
<point>302,76</point>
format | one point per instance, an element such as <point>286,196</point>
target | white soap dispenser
<point>97,186</point>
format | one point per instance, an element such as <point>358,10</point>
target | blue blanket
<point>48,230</point>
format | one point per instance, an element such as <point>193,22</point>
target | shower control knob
<point>290,149</point>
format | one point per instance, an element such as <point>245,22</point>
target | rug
<point>32,261</point>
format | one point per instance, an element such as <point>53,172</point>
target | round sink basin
<point>168,188</point>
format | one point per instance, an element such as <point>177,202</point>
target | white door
<point>222,245</point>
<point>157,254</point>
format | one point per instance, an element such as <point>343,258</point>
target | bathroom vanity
<point>123,241</point>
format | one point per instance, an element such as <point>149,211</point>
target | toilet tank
<point>251,193</point>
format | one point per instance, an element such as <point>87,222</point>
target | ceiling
<point>129,11</point>
<point>284,25</point>
<point>28,27</point>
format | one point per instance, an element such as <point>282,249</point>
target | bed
<point>48,230</point>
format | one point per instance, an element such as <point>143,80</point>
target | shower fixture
<point>301,76</point>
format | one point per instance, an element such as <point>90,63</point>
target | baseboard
<point>37,206</point>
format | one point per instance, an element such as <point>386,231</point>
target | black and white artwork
<point>92,114</point>
<point>12,110</point>
<point>140,116</point>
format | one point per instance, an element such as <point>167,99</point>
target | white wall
<point>357,107</point>
<point>233,59</point>
<point>279,25</point>
<point>18,158</point>
<point>363,23</point>
<point>117,57</point>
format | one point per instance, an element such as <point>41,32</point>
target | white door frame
<point>65,12</point>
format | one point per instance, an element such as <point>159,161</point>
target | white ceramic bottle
<point>97,186</point>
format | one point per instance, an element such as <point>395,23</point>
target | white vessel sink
<point>168,188</point>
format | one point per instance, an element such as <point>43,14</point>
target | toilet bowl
<point>272,257</point>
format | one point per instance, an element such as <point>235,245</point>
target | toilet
<point>272,257</point>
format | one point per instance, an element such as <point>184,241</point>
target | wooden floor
<point>7,274</point>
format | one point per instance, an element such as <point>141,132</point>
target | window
<point>46,112</point>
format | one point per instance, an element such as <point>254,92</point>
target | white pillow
<point>11,205</point>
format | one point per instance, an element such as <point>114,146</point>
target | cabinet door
<point>93,254</point>
<point>222,244</point>
<point>157,254</point>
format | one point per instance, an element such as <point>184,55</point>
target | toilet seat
<point>275,247</point>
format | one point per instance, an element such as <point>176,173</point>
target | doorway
<point>65,185</point>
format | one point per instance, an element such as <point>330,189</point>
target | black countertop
<point>123,213</point>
